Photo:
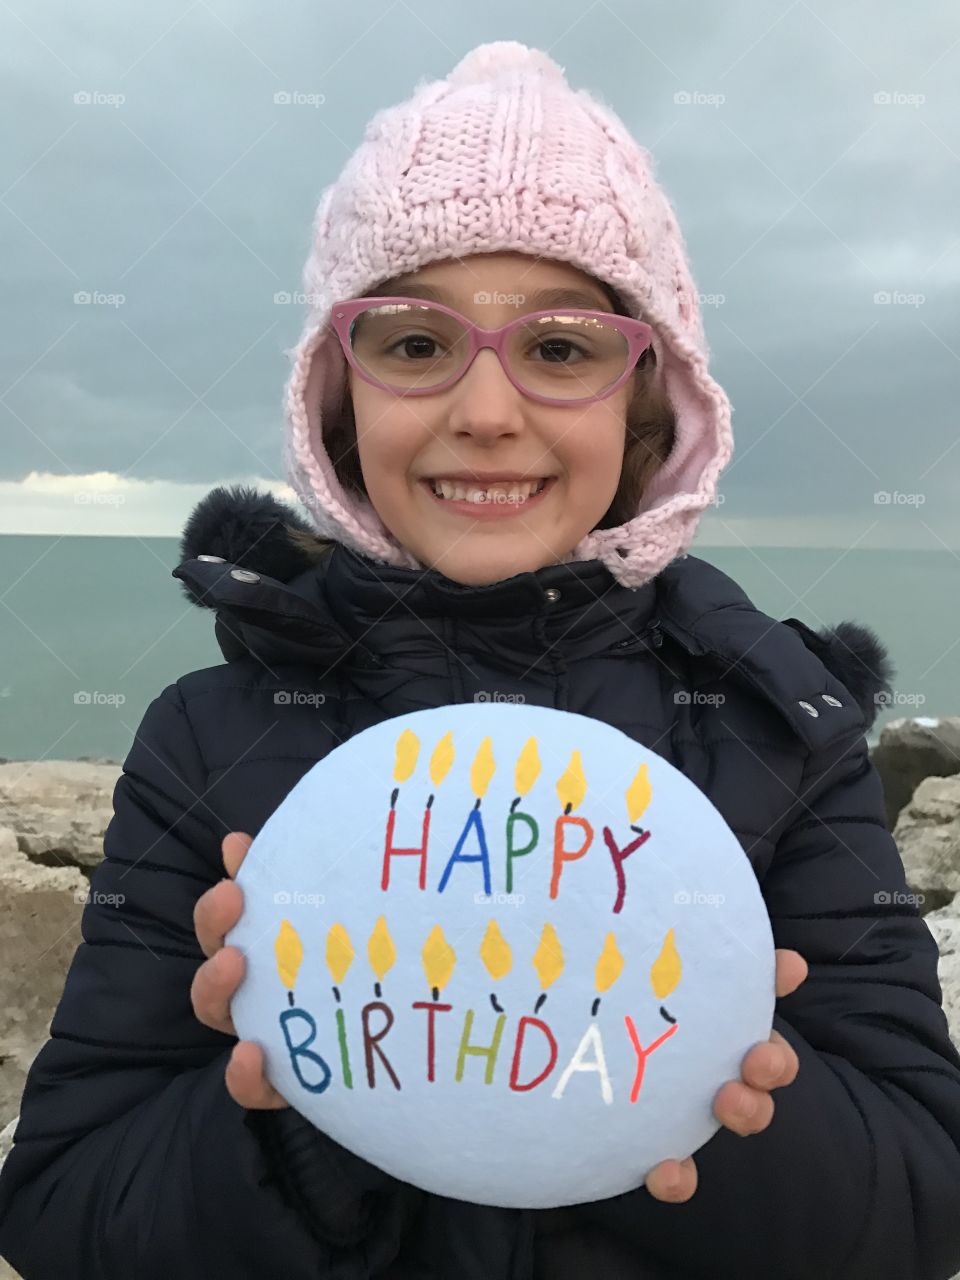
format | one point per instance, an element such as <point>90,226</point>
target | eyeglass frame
<point>638,333</point>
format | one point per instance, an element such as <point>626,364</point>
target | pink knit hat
<point>504,156</point>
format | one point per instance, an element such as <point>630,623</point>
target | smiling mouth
<point>512,492</point>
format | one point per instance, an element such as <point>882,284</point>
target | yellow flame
<point>289,952</point>
<point>407,751</point>
<point>495,952</point>
<point>638,793</point>
<point>482,769</point>
<point>442,759</point>
<point>666,969</point>
<point>339,952</point>
<point>527,769</point>
<point>548,957</point>
<point>572,784</point>
<point>380,949</point>
<point>438,959</point>
<point>609,965</point>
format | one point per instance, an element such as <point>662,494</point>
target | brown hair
<point>650,434</point>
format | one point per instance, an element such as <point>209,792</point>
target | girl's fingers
<point>214,913</point>
<point>662,1177</point>
<point>246,1082</point>
<point>770,1064</point>
<point>218,910</point>
<point>743,1110</point>
<point>213,986</point>
<point>234,849</point>
<point>792,969</point>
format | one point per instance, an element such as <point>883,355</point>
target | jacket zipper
<point>651,636</point>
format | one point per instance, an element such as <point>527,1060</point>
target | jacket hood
<point>282,593</point>
<point>503,156</point>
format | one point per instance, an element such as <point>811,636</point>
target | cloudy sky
<point>812,154</point>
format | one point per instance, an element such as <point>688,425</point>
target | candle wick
<point>596,1006</point>
<point>515,803</point>
<point>567,808</point>
<point>540,999</point>
<point>494,1002</point>
<point>376,989</point>
<point>664,1014</point>
<point>436,993</point>
<point>290,998</point>
<point>336,994</point>
<point>477,805</point>
<point>393,796</point>
<point>430,802</point>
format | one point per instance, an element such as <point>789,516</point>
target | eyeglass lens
<point>566,356</point>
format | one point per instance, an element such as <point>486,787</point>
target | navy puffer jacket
<point>131,1159</point>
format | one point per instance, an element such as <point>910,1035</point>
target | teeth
<point>511,492</point>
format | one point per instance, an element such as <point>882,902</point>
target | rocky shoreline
<point>53,814</point>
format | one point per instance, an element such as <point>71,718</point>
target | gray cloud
<point>800,197</point>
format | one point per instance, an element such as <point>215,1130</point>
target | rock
<point>945,927</point>
<point>59,809</point>
<point>6,1138</point>
<point>911,749</point>
<point>928,837</point>
<point>40,909</point>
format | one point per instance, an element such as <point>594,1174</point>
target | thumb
<point>792,970</point>
<point>234,848</point>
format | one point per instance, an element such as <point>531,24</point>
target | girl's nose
<point>485,401</point>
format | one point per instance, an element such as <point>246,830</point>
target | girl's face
<point>485,427</point>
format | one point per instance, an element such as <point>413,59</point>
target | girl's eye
<point>557,351</point>
<point>414,346</point>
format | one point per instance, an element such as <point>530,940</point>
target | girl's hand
<point>215,912</point>
<point>745,1107</point>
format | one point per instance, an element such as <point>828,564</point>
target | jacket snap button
<point>212,559</point>
<point>830,700</point>
<point>810,710</point>
<point>552,594</point>
<point>244,575</point>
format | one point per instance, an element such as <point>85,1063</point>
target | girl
<point>501,422</point>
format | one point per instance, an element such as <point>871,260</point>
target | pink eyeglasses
<point>415,348</point>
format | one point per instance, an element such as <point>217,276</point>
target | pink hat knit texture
<point>504,156</point>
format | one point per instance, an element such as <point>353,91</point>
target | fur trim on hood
<point>255,530</point>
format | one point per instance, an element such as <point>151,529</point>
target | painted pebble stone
<point>503,952</point>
